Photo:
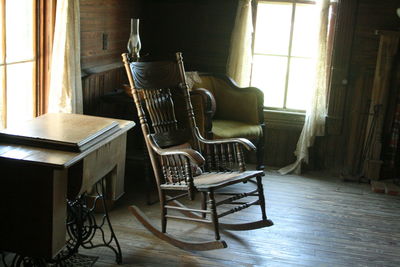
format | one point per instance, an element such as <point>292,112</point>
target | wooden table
<point>35,181</point>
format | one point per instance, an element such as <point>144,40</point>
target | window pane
<point>273,28</point>
<point>305,31</point>
<point>20,93</point>
<point>20,27</point>
<point>269,74</point>
<point>301,79</point>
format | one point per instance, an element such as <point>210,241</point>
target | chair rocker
<point>184,163</point>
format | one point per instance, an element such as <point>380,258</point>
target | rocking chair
<point>182,160</point>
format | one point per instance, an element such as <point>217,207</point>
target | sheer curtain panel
<point>240,55</point>
<point>316,112</point>
<point>65,82</point>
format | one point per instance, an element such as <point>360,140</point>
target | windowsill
<point>284,119</point>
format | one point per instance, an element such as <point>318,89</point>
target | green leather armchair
<point>229,111</point>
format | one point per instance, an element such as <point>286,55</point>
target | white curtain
<point>315,116</point>
<point>240,54</point>
<point>65,81</point>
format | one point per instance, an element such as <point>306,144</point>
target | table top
<point>71,132</point>
<point>88,133</point>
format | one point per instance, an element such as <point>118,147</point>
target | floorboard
<point>319,221</point>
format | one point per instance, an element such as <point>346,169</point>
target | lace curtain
<point>65,82</point>
<point>240,54</point>
<point>315,116</point>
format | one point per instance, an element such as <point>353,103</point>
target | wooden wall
<point>280,145</point>
<point>356,48</point>
<point>371,16</point>
<point>105,28</point>
<point>105,22</point>
<point>202,30</point>
<point>199,29</point>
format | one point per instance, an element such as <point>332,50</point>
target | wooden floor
<point>319,221</point>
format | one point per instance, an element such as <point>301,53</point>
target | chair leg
<point>260,150</point>
<point>261,197</point>
<point>203,203</point>
<point>214,216</point>
<point>260,157</point>
<point>163,212</point>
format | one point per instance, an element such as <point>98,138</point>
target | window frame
<point>4,64</point>
<point>43,31</point>
<point>289,56</point>
<point>46,17</point>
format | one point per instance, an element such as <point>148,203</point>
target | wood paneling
<point>94,86</point>
<point>199,29</point>
<point>280,146</point>
<point>355,53</point>
<point>105,28</point>
<point>341,53</point>
<point>384,91</point>
<point>341,151</point>
<point>202,29</point>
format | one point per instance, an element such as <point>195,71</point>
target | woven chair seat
<point>215,179</point>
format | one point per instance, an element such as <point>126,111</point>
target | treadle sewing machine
<point>47,166</point>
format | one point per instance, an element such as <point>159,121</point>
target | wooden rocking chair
<point>183,160</point>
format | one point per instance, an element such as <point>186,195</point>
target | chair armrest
<point>243,141</point>
<point>224,154</point>
<point>194,156</point>
<point>178,165</point>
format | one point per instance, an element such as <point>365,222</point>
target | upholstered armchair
<point>229,111</point>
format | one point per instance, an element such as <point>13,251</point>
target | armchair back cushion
<point>231,104</point>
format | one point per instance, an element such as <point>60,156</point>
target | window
<point>285,43</point>
<point>17,60</point>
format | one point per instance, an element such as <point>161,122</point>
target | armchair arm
<point>207,98</point>
<point>203,103</point>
